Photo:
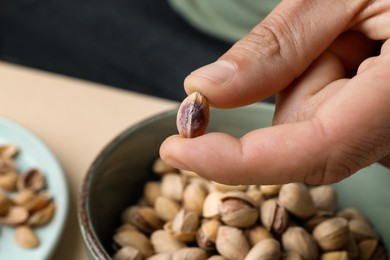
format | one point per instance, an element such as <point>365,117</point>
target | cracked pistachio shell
<point>238,210</point>
<point>43,216</point>
<point>332,234</point>
<point>143,217</point>
<point>160,167</point>
<point>324,197</point>
<point>193,116</point>
<point>164,242</point>
<point>26,237</point>
<point>211,204</point>
<point>273,216</point>
<point>295,197</point>
<point>257,234</point>
<point>38,202</point>
<point>33,179</point>
<point>23,197</point>
<point>134,239</point>
<point>16,215</point>
<point>6,165</point>
<point>362,229</point>
<point>193,253</point>
<point>267,249</point>
<point>231,243</point>
<point>8,150</point>
<point>270,191</point>
<point>207,234</point>
<point>152,190</point>
<point>298,240</point>
<point>166,209</point>
<point>172,186</point>
<point>185,224</point>
<point>194,196</point>
<point>126,253</point>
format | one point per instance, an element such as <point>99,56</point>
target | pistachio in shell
<point>143,217</point>
<point>43,216</point>
<point>8,180</point>
<point>185,224</point>
<point>295,197</point>
<point>258,233</point>
<point>152,190</point>
<point>160,256</point>
<point>211,204</point>
<point>194,196</point>
<point>335,255</point>
<point>362,229</point>
<point>270,191</point>
<point>172,186</point>
<point>134,239</point>
<point>126,253</point>
<point>15,216</point>
<point>8,150</point>
<point>193,253</point>
<point>238,210</point>
<point>160,167</point>
<point>298,240</point>
<point>324,197</point>
<point>231,243</point>
<point>166,208</point>
<point>267,249</point>
<point>332,234</point>
<point>207,234</point>
<point>273,216</point>
<point>164,242</point>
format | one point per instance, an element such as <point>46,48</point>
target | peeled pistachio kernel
<point>193,116</point>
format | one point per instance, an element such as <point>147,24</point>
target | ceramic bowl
<point>115,180</point>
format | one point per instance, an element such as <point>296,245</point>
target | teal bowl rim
<point>91,240</point>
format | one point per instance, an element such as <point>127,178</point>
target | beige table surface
<point>76,119</point>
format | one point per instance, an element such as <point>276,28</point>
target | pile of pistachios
<point>24,202</point>
<point>183,216</point>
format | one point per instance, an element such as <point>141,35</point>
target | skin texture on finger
<point>297,101</point>
<point>284,44</point>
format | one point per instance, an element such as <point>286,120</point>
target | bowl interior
<point>117,177</point>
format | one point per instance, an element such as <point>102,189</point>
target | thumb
<point>274,53</point>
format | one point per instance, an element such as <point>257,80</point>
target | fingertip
<point>169,150</point>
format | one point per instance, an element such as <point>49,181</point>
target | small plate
<point>34,153</point>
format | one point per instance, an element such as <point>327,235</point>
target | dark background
<point>139,45</point>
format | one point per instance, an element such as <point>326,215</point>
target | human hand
<point>332,113</point>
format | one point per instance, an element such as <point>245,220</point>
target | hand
<point>332,113</point>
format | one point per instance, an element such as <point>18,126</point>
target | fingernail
<point>219,71</point>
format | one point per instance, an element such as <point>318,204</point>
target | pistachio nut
<point>126,226</point>
<point>26,237</point>
<point>166,209</point>
<point>216,257</point>
<point>231,243</point>
<point>126,253</point>
<point>335,255</point>
<point>160,167</point>
<point>164,242</point>
<point>193,253</point>
<point>290,255</point>
<point>257,233</point>
<point>43,216</point>
<point>273,216</point>
<point>8,150</point>
<point>6,165</point>
<point>361,229</point>
<point>194,196</point>
<point>351,247</point>
<point>317,218</point>
<point>143,217</point>
<point>193,116</point>
<point>238,210</point>
<point>189,174</point>
<point>255,195</point>
<point>32,179</point>
<point>152,190</point>
<point>226,188</point>
<point>324,197</point>
<point>332,234</point>
<point>172,186</point>
<point>270,191</point>
<point>367,248</point>
<point>207,234</point>
<point>185,224</point>
<point>16,215</point>
<point>350,213</point>
<point>211,204</point>
<point>267,249</point>
<point>295,197</point>
<point>134,239</point>
<point>298,240</point>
